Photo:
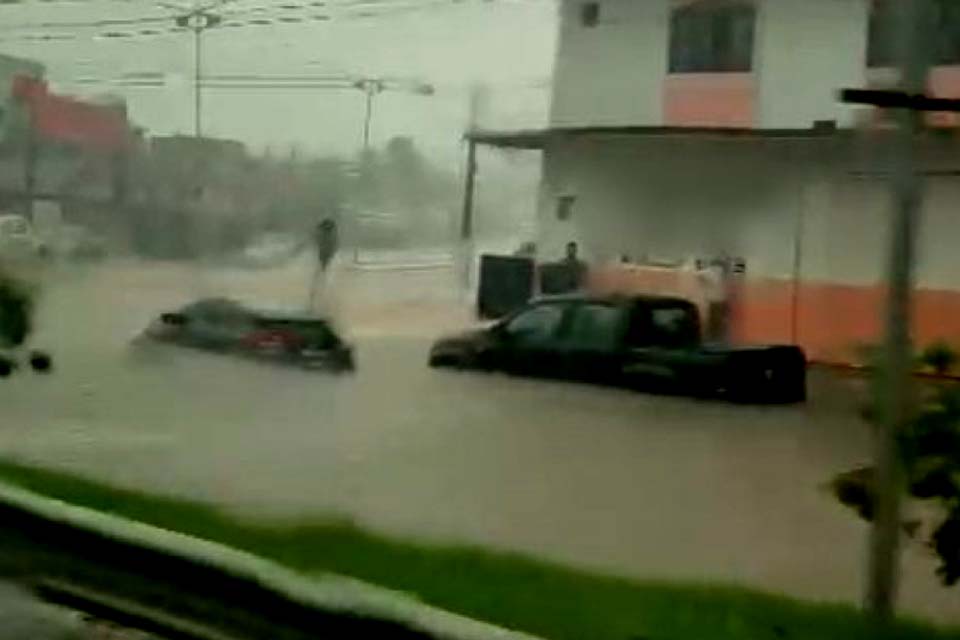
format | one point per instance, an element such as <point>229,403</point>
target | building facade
<point>744,63</point>
<point>684,129</point>
<point>12,116</point>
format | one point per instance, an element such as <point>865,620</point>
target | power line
<point>234,20</point>
<point>110,22</point>
<point>264,14</point>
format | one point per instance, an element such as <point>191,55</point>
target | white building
<point>687,128</point>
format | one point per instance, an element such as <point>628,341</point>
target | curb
<point>327,594</point>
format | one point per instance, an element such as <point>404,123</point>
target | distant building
<point>12,116</point>
<point>697,128</point>
<point>198,172</point>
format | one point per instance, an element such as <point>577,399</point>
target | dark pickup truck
<point>642,342</point>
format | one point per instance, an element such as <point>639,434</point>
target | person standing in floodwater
<point>326,242</point>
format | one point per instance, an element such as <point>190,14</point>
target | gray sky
<point>506,44</point>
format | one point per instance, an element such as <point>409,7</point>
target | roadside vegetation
<point>929,455</point>
<point>509,590</point>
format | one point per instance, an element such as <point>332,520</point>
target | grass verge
<point>509,590</point>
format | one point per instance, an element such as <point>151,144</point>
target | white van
<point>17,239</point>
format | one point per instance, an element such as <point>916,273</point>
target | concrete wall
<point>670,198</point>
<point>615,73</point>
<point>675,198</point>
<point>612,73</point>
<point>803,53</point>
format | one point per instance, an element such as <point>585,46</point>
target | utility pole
<point>908,102</point>
<point>907,200</point>
<point>478,98</point>
<point>372,87</point>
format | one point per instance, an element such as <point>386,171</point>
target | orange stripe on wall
<point>709,100</point>
<point>943,82</point>
<point>828,320</point>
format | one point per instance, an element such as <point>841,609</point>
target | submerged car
<point>223,325</point>
<point>642,342</point>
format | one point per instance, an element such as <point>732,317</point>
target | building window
<point>711,36</point>
<point>881,43</point>
<point>589,14</point>
<point>565,207</point>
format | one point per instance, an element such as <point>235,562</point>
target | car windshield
<point>554,319</point>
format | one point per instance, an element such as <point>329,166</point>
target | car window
<point>536,326</point>
<point>671,326</point>
<point>594,326</point>
<point>215,311</point>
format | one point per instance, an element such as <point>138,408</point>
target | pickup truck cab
<point>642,342</point>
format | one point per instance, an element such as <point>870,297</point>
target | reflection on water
<point>631,483</point>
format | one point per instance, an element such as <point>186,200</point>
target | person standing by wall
<point>714,282</point>
<point>576,268</point>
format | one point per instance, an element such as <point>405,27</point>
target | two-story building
<point>698,128</point>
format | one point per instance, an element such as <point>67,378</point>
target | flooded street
<point>627,483</point>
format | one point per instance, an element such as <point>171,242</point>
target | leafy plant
<point>939,357</point>
<point>930,454</point>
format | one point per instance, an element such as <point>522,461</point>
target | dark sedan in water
<point>643,342</point>
<point>222,325</point>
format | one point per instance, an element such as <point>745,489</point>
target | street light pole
<point>371,87</point>
<point>198,21</point>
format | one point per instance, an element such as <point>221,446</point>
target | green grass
<point>510,590</point>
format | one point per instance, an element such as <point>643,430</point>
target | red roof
<point>70,120</point>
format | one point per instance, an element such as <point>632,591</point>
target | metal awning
<point>537,139</point>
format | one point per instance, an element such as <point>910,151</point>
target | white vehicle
<point>271,249</point>
<point>74,242</point>
<point>17,239</point>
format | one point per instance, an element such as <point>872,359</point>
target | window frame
<point>590,14</point>
<point>881,53</point>
<point>704,34</point>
